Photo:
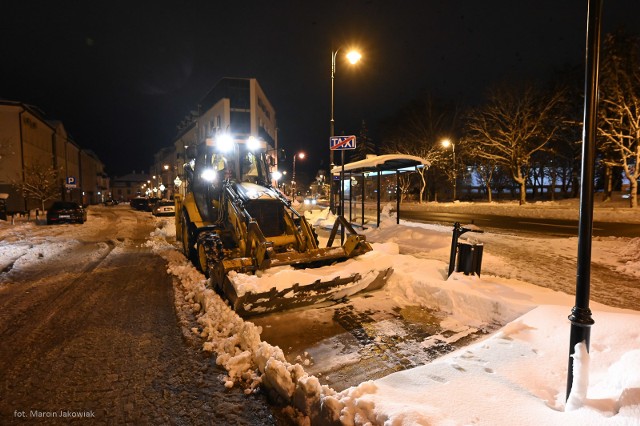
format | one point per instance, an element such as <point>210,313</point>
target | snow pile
<point>631,256</point>
<point>580,383</point>
<point>320,218</point>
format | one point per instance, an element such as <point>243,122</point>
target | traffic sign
<point>338,143</point>
<point>71,182</point>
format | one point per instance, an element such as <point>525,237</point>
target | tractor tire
<point>189,240</point>
<point>201,264</point>
<point>209,249</point>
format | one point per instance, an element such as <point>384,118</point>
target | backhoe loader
<point>234,224</point>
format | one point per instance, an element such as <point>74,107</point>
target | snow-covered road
<point>89,328</point>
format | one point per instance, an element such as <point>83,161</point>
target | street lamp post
<point>293,175</point>
<point>353,57</point>
<point>446,143</point>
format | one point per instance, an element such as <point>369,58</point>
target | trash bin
<point>469,258</point>
<point>465,257</point>
<point>3,209</point>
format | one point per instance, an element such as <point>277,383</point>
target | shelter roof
<point>385,162</point>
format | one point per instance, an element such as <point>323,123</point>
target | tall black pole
<point>362,201</point>
<point>398,196</point>
<point>332,205</point>
<point>580,317</point>
<point>378,197</point>
<point>350,196</point>
<point>342,195</point>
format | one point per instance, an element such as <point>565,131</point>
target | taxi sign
<point>338,143</point>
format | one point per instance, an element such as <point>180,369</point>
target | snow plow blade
<point>261,284</point>
<point>318,293</point>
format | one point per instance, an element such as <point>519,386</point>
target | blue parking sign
<point>71,182</point>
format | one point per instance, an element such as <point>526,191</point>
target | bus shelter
<point>375,166</point>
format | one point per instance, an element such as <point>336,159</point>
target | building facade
<point>132,185</point>
<point>28,140</point>
<point>236,106</point>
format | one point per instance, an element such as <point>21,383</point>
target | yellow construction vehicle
<point>233,220</point>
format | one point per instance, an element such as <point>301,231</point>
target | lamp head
<point>353,56</point>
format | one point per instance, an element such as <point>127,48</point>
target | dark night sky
<point>121,75</point>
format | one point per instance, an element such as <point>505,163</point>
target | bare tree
<point>485,173</point>
<point>564,163</point>
<point>620,112</point>
<point>431,153</point>
<point>41,183</point>
<point>511,127</point>
<point>609,173</point>
<point>404,183</point>
<point>417,130</point>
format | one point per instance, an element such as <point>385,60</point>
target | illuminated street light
<point>353,57</point>
<point>446,143</point>
<point>300,155</point>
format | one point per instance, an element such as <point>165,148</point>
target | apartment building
<point>127,187</point>
<point>237,106</point>
<point>29,139</point>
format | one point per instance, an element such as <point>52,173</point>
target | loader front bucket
<point>318,293</point>
<point>268,280</point>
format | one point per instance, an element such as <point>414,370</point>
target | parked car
<point>66,212</point>
<point>110,202</point>
<point>164,208</point>
<point>140,203</point>
<point>151,202</point>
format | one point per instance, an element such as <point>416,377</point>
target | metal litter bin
<point>469,258</point>
<point>465,257</point>
<point>3,208</point>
